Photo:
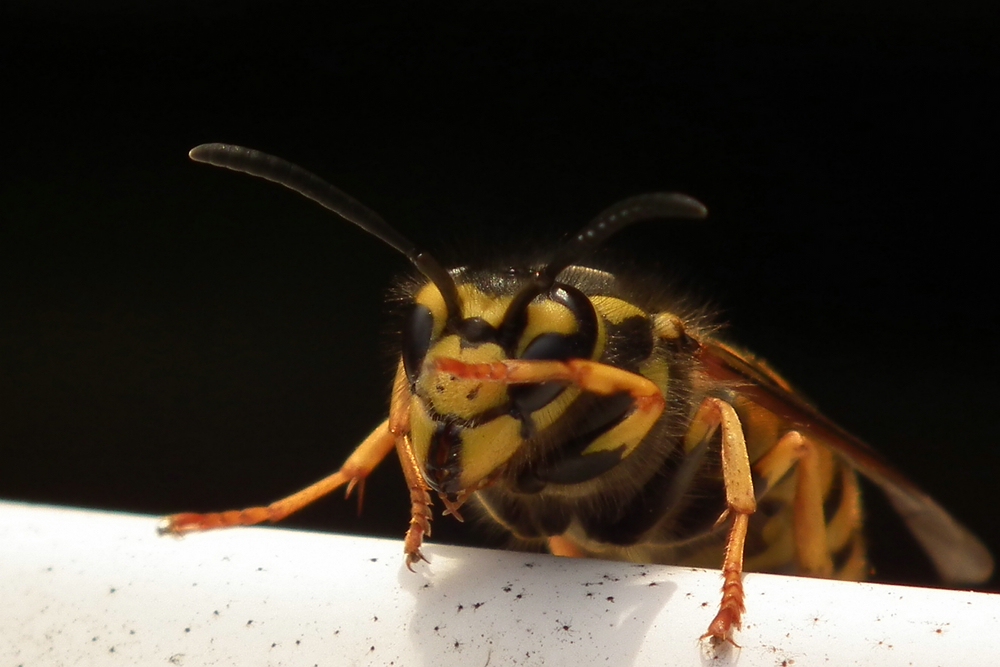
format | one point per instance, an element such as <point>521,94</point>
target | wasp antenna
<point>311,186</point>
<point>609,221</point>
<point>617,217</point>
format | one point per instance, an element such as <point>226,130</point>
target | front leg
<point>420,497</point>
<point>715,413</point>
<point>590,376</point>
<point>420,503</point>
<point>358,466</point>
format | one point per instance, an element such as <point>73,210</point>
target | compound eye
<point>417,330</point>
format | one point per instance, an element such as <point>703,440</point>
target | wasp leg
<point>716,413</point>
<point>845,527</point>
<point>855,568</point>
<point>565,547</point>
<point>420,497</point>
<point>358,466</point>
<point>813,545</point>
<point>590,376</point>
<point>420,503</point>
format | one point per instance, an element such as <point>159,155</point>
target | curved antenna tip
<point>687,207</point>
<point>199,150</point>
<point>205,152</point>
<point>698,210</point>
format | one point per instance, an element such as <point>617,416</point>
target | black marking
<point>476,420</point>
<point>579,469</point>
<point>568,464</point>
<point>551,346</point>
<point>665,497</point>
<point>526,399</point>
<point>476,330</point>
<point>630,342</point>
<point>521,518</point>
<point>581,344</point>
<point>417,329</point>
<point>442,469</point>
<point>583,311</point>
<point>835,496</point>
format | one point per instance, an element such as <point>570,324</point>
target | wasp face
<point>464,430</point>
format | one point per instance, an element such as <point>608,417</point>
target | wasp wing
<point>958,555</point>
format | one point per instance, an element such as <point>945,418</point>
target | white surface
<point>88,588</point>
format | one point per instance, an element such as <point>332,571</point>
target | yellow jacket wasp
<point>583,413</point>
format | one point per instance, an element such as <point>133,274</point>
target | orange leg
<point>812,541</point>
<point>394,432</point>
<point>590,376</point>
<point>846,525</point>
<point>740,501</point>
<point>420,497</point>
<point>420,503</point>
<point>731,608</point>
<point>358,466</point>
<point>563,546</point>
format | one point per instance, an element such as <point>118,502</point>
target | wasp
<point>584,413</point>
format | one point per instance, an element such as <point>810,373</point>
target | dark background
<point>176,337</point>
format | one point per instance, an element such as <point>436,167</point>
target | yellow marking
<point>477,304</point>
<point>699,431</point>
<point>615,310</point>
<point>628,433</point>
<point>657,370</point>
<point>547,317</point>
<point>484,448</point>
<point>487,447</point>
<point>548,414</point>
<point>430,296</point>
<point>473,301</point>
<point>461,397</point>
<point>601,341</point>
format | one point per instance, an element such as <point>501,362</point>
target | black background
<point>175,337</point>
